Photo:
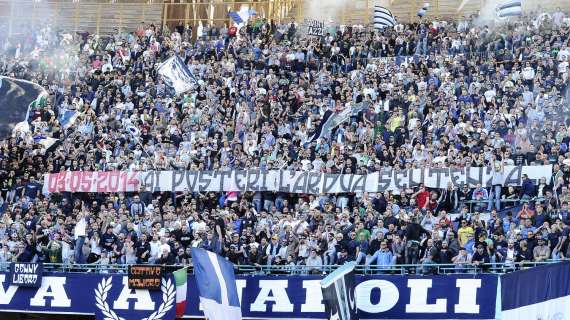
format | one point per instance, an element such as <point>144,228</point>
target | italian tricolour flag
<point>180,276</point>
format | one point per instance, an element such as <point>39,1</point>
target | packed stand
<point>470,97</point>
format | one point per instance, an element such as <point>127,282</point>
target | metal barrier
<point>401,269</point>
<point>505,203</point>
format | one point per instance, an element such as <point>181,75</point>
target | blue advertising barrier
<point>263,297</point>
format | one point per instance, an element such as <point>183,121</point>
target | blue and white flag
<point>383,18</point>
<point>242,16</point>
<point>537,293</point>
<point>423,10</point>
<point>67,117</point>
<point>510,8</point>
<point>236,17</point>
<point>216,285</point>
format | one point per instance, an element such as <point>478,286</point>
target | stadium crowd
<point>468,96</point>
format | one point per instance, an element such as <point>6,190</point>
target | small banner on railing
<point>145,277</point>
<point>26,274</point>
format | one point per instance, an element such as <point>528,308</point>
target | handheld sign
<point>24,274</point>
<point>145,277</point>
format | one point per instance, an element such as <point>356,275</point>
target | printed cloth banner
<point>262,297</point>
<point>26,274</point>
<point>537,293</point>
<point>315,28</point>
<point>284,181</point>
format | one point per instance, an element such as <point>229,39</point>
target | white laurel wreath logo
<point>168,297</point>
<point>101,300</point>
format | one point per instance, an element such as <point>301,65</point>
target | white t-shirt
<point>563,67</point>
<point>79,230</point>
<point>154,249</point>
<point>528,73</point>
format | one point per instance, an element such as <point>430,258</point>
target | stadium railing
<point>505,203</point>
<point>400,269</point>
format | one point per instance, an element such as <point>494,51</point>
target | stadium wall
<point>262,297</point>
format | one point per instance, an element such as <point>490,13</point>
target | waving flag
<point>180,277</point>
<point>242,16</point>
<point>46,142</point>
<point>511,8</point>
<point>134,131</point>
<point>422,12</point>
<point>216,285</point>
<point>338,293</point>
<point>67,117</point>
<point>383,18</point>
<point>236,17</point>
<point>16,99</point>
<point>332,120</point>
<point>176,75</point>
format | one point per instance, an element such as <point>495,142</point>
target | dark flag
<point>338,294</point>
<point>332,120</point>
<point>16,98</point>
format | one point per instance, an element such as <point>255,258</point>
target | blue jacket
<point>527,188</point>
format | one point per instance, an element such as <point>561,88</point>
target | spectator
<point>541,251</point>
<point>260,100</point>
<point>526,212</point>
<point>465,232</point>
<point>167,258</point>
<point>314,263</point>
<point>480,196</point>
<point>383,258</point>
<point>79,234</point>
<point>481,257</point>
<point>461,260</point>
<point>524,253</point>
<point>527,189</point>
<point>428,256</point>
